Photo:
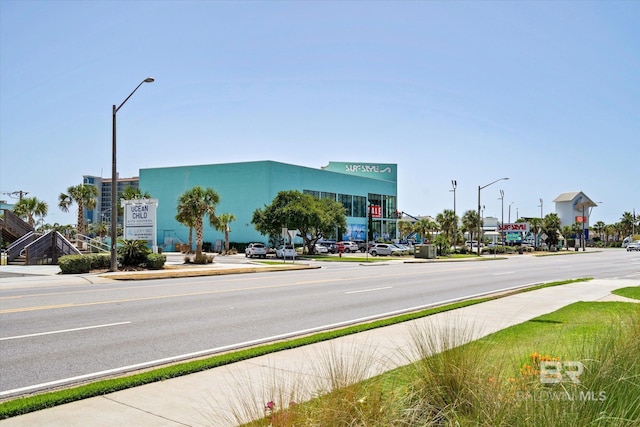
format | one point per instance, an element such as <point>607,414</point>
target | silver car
<point>384,249</point>
<point>633,246</point>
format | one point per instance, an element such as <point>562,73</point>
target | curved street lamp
<point>114,181</point>
<point>479,218</point>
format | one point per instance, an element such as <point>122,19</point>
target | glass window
<point>347,202</point>
<point>359,206</point>
<point>312,193</point>
<point>389,206</point>
<point>325,195</point>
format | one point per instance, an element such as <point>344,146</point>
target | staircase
<point>30,248</point>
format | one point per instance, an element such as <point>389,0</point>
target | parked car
<point>634,246</point>
<point>330,245</point>
<point>384,249</point>
<point>362,245</point>
<point>321,249</point>
<point>256,250</point>
<point>348,246</point>
<point>286,251</point>
<point>403,248</point>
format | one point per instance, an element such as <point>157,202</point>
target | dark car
<point>362,245</point>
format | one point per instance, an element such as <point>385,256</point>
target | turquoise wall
<point>244,187</point>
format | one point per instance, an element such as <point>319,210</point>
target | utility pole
<point>20,193</point>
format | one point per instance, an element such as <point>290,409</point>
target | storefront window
<point>347,202</point>
<point>359,206</point>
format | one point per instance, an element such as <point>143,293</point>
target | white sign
<point>139,233</point>
<point>139,214</point>
<point>517,226</point>
<point>140,220</point>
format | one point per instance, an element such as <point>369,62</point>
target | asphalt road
<point>60,334</point>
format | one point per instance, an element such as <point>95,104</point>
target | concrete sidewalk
<point>211,398</point>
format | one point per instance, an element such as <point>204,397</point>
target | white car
<point>257,250</point>
<point>319,249</point>
<point>286,251</point>
<point>633,246</point>
<point>349,246</point>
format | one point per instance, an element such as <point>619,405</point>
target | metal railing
<point>93,244</point>
<point>15,249</point>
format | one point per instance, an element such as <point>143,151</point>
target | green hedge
<point>75,264</point>
<point>78,264</point>
<point>155,261</point>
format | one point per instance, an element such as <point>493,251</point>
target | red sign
<point>518,226</point>
<point>375,211</point>
<point>581,219</point>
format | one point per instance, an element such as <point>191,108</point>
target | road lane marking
<point>62,331</point>
<point>503,274</point>
<point>191,294</point>
<point>368,290</point>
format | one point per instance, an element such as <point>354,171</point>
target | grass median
<point>575,366</point>
<point>27,404</point>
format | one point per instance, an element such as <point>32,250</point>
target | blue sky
<point>545,93</point>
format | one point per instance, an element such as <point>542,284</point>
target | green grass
<point>33,403</point>
<point>630,292</point>
<point>494,381</point>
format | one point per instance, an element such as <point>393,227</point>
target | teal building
<point>247,186</point>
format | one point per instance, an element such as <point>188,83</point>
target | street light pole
<point>114,180</point>
<point>454,184</point>
<point>502,218</point>
<point>510,211</point>
<point>479,220</point>
<point>541,204</point>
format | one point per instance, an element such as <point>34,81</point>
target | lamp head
<point>149,80</point>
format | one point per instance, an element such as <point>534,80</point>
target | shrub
<point>133,253</point>
<point>100,261</point>
<point>155,261</point>
<point>74,264</point>
<point>203,259</point>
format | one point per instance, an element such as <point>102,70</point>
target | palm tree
<point>535,226</point>
<point>576,228</point>
<point>627,221</point>
<point>566,233</point>
<point>222,224</point>
<point>599,228</point>
<point>184,216</point>
<point>84,195</point>
<point>193,205</point>
<point>424,227</point>
<point>447,220</point>
<point>470,222</point>
<point>405,228</point>
<point>29,208</point>
<point>132,193</point>
<point>609,231</point>
<point>551,227</point>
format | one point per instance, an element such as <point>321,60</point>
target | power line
<point>19,193</point>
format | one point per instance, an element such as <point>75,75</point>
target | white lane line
<point>63,331</point>
<point>248,343</point>
<point>502,274</point>
<point>368,290</point>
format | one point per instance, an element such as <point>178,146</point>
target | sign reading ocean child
<point>140,220</point>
